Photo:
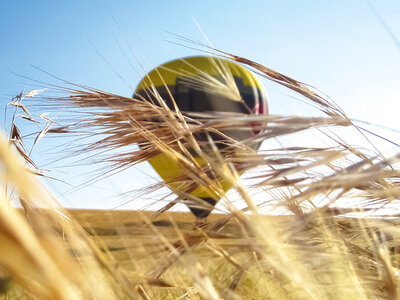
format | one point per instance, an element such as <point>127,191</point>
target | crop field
<point>337,235</point>
<point>163,255</point>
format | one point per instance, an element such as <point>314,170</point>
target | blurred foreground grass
<point>328,257</point>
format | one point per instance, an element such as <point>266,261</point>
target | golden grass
<point>317,251</point>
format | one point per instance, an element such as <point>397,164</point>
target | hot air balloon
<point>202,84</point>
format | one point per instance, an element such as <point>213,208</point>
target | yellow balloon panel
<point>168,73</point>
<point>169,169</point>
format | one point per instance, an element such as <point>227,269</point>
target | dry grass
<point>317,251</point>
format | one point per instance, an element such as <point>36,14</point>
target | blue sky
<point>339,47</point>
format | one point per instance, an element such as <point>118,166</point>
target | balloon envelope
<point>202,84</point>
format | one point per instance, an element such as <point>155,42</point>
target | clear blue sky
<point>339,47</point>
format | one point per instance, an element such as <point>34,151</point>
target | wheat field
<point>317,248</point>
